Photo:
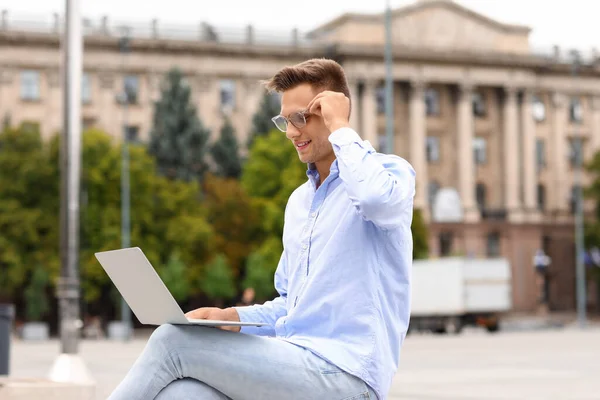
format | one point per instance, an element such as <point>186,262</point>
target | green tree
<point>225,152</point>
<point>217,282</point>
<point>419,233</point>
<point>28,210</point>
<point>174,276</point>
<point>262,125</point>
<point>178,139</point>
<point>166,216</point>
<point>234,219</point>
<point>36,297</point>
<point>592,225</point>
<point>272,172</point>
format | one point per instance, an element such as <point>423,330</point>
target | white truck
<point>451,293</point>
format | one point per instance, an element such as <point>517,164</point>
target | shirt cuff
<point>344,136</point>
<point>249,314</point>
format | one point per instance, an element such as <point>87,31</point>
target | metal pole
<point>125,188</point>
<point>69,366</point>
<point>68,286</point>
<point>389,81</point>
<point>579,236</point>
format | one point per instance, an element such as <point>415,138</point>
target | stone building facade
<point>476,111</point>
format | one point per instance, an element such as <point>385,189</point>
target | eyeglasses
<point>298,119</point>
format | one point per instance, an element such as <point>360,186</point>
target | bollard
<point>7,312</point>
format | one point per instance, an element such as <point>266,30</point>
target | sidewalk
<point>517,321</point>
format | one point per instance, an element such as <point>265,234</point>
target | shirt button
<point>313,214</point>
<point>305,246</point>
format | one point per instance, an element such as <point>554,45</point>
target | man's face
<point>311,141</point>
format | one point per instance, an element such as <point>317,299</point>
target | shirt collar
<point>313,174</point>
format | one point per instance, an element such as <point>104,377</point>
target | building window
<point>432,102</point>
<point>575,110</point>
<point>493,244</point>
<point>538,109</point>
<point>30,85</point>
<point>380,99</point>
<point>445,239</point>
<point>481,195</point>
<point>540,153</point>
<point>432,189</point>
<point>479,150</point>
<point>227,94</point>
<point>541,197</point>
<point>433,149</point>
<point>133,133</point>
<point>131,86</point>
<point>479,106</point>
<point>86,89</point>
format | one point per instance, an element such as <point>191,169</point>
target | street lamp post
<point>69,366</point>
<point>389,81</point>
<point>125,188</point>
<point>579,235</point>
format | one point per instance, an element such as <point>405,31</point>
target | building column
<point>354,104</point>
<point>369,114</point>
<point>529,159</point>
<point>512,200</point>
<point>109,112</point>
<point>418,159</point>
<point>559,192</point>
<point>466,164</point>
<point>52,124</point>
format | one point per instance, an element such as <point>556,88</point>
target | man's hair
<point>320,73</point>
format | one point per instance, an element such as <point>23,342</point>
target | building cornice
<point>419,6</point>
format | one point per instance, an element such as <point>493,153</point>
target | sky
<point>567,23</point>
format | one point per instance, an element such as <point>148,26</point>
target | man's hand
<point>227,314</point>
<point>333,107</point>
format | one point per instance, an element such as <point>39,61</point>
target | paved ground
<point>551,364</point>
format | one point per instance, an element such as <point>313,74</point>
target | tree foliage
<point>166,217</point>
<point>36,296</point>
<point>225,152</point>
<point>262,125</point>
<point>234,218</point>
<point>592,226</point>
<point>178,139</point>
<point>174,275</point>
<point>420,236</point>
<point>218,281</point>
<point>28,209</point>
<point>272,172</point>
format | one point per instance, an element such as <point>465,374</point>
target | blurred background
<point>496,104</point>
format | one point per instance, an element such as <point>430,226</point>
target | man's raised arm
<point>270,311</point>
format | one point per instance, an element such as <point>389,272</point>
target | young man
<point>336,329</point>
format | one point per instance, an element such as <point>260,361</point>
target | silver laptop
<point>144,291</point>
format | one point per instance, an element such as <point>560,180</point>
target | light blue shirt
<point>344,276</point>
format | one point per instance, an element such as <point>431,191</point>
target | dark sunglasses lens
<point>298,120</point>
<point>281,123</point>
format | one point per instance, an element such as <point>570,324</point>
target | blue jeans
<point>193,362</point>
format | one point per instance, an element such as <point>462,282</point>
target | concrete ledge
<point>30,389</point>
